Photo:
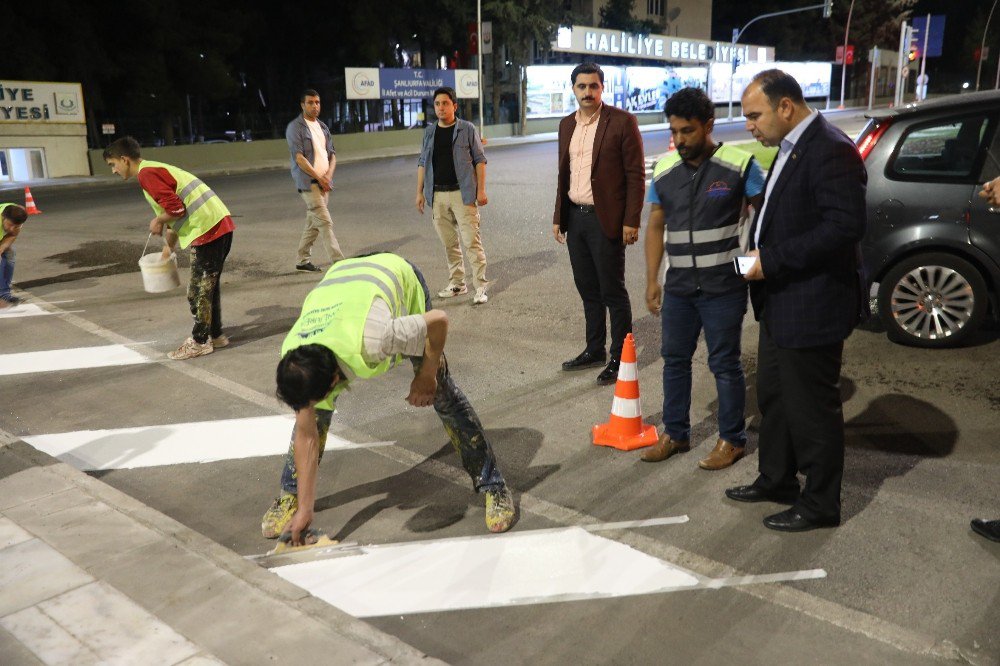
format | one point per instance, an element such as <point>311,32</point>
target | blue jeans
<point>6,273</point>
<point>722,319</point>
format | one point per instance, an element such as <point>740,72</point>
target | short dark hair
<point>308,92</point>
<point>690,103</point>
<point>126,146</point>
<point>16,214</point>
<point>587,68</point>
<point>776,84</point>
<point>305,374</point>
<point>446,90</point>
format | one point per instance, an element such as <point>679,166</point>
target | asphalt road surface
<point>902,581</point>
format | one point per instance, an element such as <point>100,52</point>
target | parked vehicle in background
<point>933,246</point>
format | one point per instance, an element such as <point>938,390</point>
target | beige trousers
<point>458,224</point>
<point>318,223</point>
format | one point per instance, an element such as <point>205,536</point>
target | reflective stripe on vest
<point>203,209</point>
<point>335,312</point>
<point>701,215</point>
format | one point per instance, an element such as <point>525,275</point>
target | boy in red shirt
<point>198,218</point>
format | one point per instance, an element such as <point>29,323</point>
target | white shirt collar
<point>793,137</point>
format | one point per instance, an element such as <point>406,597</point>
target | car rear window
<point>950,149</point>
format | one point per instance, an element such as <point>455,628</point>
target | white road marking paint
<point>201,442</point>
<point>482,572</point>
<point>850,619</point>
<point>514,569</point>
<point>69,359</point>
<point>631,524</point>
<point>26,310</point>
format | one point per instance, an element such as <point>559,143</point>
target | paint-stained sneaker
<point>453,290</point>
<point>499,510</point>
<point>220,341</point>
<point>277,517</point>
<point>191,349</point>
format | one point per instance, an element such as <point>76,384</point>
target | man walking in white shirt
<point>313,161</point>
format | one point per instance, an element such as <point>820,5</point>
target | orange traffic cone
<point>29,203</point>
<point>625,430</point>
<point>671,146</point>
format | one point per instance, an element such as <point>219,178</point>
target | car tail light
<point>866,144</point>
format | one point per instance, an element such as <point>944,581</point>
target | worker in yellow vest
<point>200,220</point>
<point>362,319</point>
<point>12,217</point>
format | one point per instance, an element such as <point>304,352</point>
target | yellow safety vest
<point>335,311</point>
<point>203,207</point>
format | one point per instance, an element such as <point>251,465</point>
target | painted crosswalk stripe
<point>69,359</point>
<point>200,442</point>
<point>26,310</point>
<point>482,572</point>
<point>513,569</point>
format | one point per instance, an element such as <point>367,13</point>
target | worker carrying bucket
<point>200,220</point>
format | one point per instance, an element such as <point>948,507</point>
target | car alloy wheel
<point>932,300</point>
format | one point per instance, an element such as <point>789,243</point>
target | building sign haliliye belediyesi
<point>41,102</point>
<point>598,41</point>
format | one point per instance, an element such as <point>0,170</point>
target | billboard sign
<point>394,83</point>
<point>813,77</point>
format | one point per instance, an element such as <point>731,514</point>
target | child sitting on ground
<point>12,217</point>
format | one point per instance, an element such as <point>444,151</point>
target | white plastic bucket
<point>159,274</point>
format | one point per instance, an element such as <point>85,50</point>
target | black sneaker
<point>308,267</point>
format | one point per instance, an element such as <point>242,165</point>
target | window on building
<point>655,7</point>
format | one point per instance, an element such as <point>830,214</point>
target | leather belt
<point>446,188</point>
<point>584,208</point>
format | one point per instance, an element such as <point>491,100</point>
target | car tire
<point>932,300</point>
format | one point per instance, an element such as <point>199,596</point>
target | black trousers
<point>599,272</point>
<point>802,423</point>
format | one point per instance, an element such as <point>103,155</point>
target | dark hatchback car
<point>933,246</point>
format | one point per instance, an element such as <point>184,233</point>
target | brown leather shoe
<point>723,455</point>
<point>665,448</point>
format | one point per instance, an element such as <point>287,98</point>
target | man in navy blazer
<point>807,292</point>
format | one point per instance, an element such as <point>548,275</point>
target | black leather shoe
<point>584,360</point>
<point>791,520</point>
<point>753,493</point>
<point>609,375</point>
<point>987,528</point>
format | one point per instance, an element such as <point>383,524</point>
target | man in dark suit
<point>598,204</point>
<point>807,291</point>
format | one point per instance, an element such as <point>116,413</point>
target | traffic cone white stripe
<point>627,372</point>
<point>626,408</point>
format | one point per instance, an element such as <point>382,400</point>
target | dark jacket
<point>814,219</point>
<point>618,173</point>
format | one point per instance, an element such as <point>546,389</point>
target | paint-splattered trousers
<point>204,289</point>
<point>460,422</point>
<point>456,413</point>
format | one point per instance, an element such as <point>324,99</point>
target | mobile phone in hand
<point>742,265</point>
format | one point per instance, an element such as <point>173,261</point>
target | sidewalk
<point>91,576</point>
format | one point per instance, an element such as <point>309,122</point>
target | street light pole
<point>738,33</point>
<point>479,60</point>
<point>843,60</point>
<point>982,44</point>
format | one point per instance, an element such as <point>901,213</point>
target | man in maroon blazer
<point>598,206</point>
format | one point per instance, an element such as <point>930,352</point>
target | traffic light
<point>827,8</point>
<point>912,55</point>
